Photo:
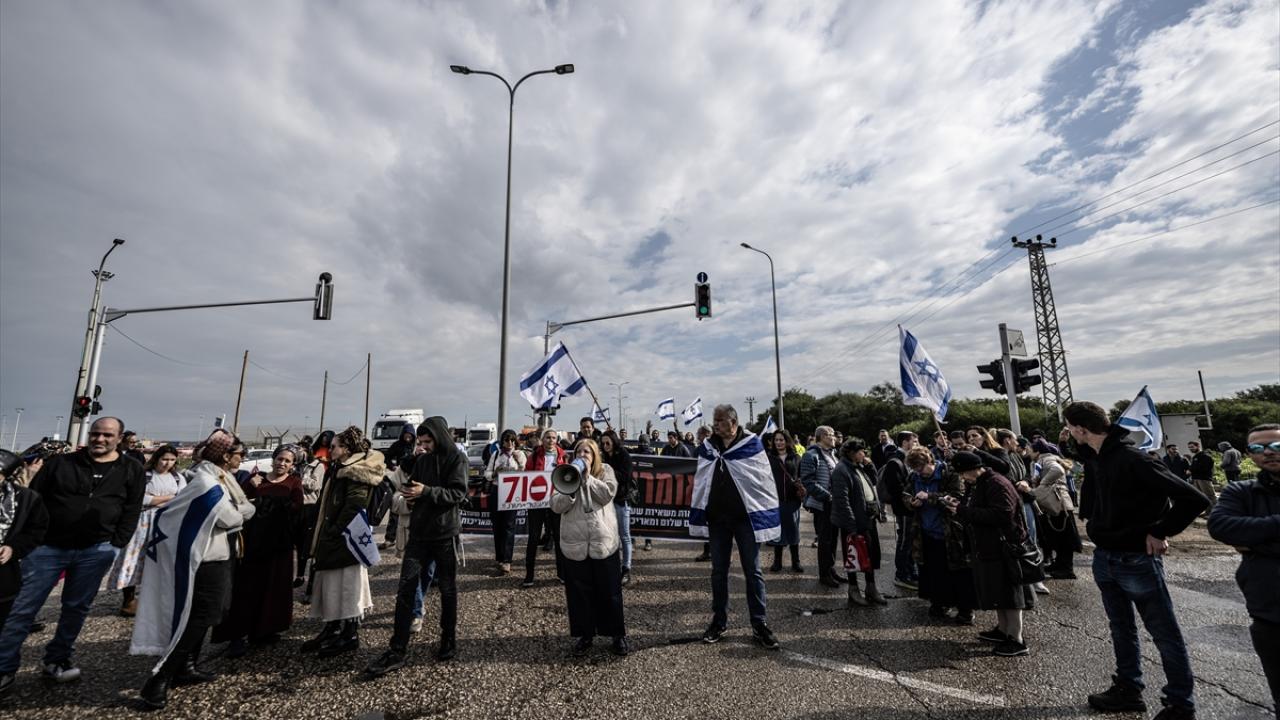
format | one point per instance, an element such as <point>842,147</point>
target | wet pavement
<point>867,663</point>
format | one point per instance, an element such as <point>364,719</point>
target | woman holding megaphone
<point>583,497</point>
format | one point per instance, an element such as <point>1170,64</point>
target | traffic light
<point>995,380</point>
<point>324,298</point>
<point>82,405</point>
<point>702,299</point>
<point>1023,380</point>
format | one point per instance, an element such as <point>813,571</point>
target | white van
<point>482,434</point>
<point>387,430</point>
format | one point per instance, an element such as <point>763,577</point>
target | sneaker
<point>1118,698</point>
<point>907,584</point>
<point>1011,648</point>
<point>1040,588</point>
<point>764,637</point>
<point>626,576</point>
<point>712,634</point>
<point>994,635</point>
<point>389,661</point>
<point>62,671</point>
<point>583,646</point>
<point>6,683</point>
<point>648,545</point>
<point>415,627</point>
<point>1176,712</point>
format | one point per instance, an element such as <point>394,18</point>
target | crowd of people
<point>981,517</point>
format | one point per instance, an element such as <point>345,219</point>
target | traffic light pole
<point>1006,361</point>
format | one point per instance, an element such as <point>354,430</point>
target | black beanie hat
<point>965,460</point>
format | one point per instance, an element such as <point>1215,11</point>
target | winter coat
<point>347,488</point>
<point>620,461</point>
<point>313,480</point>
<point>588,522</point>
<point>1202,466</point>
<point>1050,487</point>
<point>1230,462</point>
<point>994,516</point>
<point>851,510</point>
<point>537,460</point>
<point>233,511</point>
<point>30,520</point>
<point>437,514</point>
<point>931,515</point>
<point>1178,465</point>
<point>1248,516</point>
<point>815,473</point>
<point>81,514</point>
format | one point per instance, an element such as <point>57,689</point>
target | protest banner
<point>524,490</point>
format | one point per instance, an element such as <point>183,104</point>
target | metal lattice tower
<point>1053,358</point>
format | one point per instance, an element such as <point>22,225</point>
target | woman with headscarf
<point>508,458</point>
<point>217,508</point>
<point>262,594</point>
<point>617,457</point>
<point>163,484</point>
<point>312,483</point>
<point>1059,535</point>
<point>994,516</point>
<point>855,510</point>
<point>23,521</point>
<point>785,463</point>
<point>341,594</point>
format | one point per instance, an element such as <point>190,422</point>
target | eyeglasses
<point>1259,448</point>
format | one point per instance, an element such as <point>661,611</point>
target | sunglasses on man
<point>1259,448</point>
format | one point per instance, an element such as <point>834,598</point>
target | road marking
<point>896,679</point>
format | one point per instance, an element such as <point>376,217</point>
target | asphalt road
<point>866,663</point>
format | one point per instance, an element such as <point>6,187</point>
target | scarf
<point>748,465</point>
<point>8,507</point>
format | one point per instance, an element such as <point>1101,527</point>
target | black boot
<point>777,559</point>
<point>873,594</point>
<point>795,559</point>
<point>155,692</point>
<point>189,673</point>
<point>448,649</point>
<point>331,630</point>
<point>347,641</point>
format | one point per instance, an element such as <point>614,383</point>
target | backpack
<point>380,501</point>
<point>883,491</point>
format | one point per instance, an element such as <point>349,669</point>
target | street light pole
<point>777,352</point>
<point>82,385</point>
<point>57,424</point>
<point>13,445</point>
<point>622,420</point>
<point>506,237</point>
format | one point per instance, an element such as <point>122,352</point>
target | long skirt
<point>790,513</point>
<point>261,598</point>
<point>341,594</point>
<point>593,591</point>
<point>941,585</point>
<point>998,589</point>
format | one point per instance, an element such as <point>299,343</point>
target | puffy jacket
<point>815,475</point>
<point>588,523</point>
<point>443,473</point>
<point>347,490</point>
<point>1050,486</point>
<point>1248,516</point>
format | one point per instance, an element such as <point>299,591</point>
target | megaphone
<point>567,478</point>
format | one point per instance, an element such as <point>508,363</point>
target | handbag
<point>856,555</point>
<point>1024,561</point>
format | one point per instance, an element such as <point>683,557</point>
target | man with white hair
<point>815,473</point>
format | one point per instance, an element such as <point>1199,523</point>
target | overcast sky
<point>877,150</point>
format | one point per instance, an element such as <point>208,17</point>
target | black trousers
<point>504,531</point>
<point>1266,642</point>
<point>418,556</point>
<point>209,603</point>
<point>302,543</point>
<point>537,520</point>
<point>828,541</point>
<point>593,591</point>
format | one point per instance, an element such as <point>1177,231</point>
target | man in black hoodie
<point>1132,504</point>
<point>437,489</point>
<point>94,498</point>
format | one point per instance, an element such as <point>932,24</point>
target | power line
<point>353,377</point>
<point>158,354</point>
<point>272,372</point>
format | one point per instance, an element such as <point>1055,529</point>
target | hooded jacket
<point>84,512</point>
<point>1128,495</point>
<point>347,490</point>
<point>1248,516</point>
<point>443,473</point>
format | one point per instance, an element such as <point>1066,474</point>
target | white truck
<point>482,434</point>
<point>387,430</point>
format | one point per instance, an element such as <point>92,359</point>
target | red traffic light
<point>83,404</point>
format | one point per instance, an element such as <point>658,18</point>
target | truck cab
<point>482,434</point>
<point>387,430</point>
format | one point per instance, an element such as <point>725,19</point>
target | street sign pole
<point>1006,360</point>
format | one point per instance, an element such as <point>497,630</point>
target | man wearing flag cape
<point>735,500</point>
<point>187,580</point>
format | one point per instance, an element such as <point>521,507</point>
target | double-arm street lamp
<point>506,241</point>
<point>777,352</point>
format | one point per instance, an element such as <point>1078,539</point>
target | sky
<point>884,154</point>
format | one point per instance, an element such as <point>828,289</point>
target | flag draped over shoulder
<point>1141,416</point>
<point>557,375</point>
<point>179,538</point>
<point>922,381</point>
<point>749,467</point>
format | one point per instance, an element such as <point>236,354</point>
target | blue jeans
<point>904,566</point>
<point>722,540</point>
<point>1128,580</point>
<point>40,570</point>
<point>624,532</point>
<point>1029,512</point>
<point>424,584</point>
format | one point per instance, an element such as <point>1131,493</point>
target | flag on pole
<point>556,376</point>
<point>599,415</point>
<point>693,412</point>
<point>922,381</point>
<point>667,409</point>
<point>359,536</point>
<point>1141,416</point>
<point>769,426</point>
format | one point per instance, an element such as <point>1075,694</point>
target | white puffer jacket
<point>591,534</point>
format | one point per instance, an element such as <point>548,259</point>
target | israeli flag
<point>1141,416</point>
<point>555,377</point>
<point>693,412</point>
<point>922,381</point>
<point>769,426</point>
<point>667,409</point>
<point>359,537</point>
<point>598,414</point>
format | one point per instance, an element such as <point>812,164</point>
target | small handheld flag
<point>693,412</point>
<point>667,409</point>
<point>1141,416</point>
<point>359,537</point>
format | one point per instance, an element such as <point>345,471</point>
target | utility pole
<point>1053,357</point>
<point>235,422</point>
<point>324,394</point>
<point>13,445</point>
<point>751,409</point>
<point>368,379</point>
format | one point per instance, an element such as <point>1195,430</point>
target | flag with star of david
<point>922,380</point>
<point>554,377</point>
<point>1141,416</point>
<point>360,540</point>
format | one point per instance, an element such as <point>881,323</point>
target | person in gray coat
<point>854,510</point>
<point>815,474</point>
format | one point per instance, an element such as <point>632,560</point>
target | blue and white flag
<point>1141,416</point>
<point>667,409</point>
<point>691,413</point>
<point>922,381</point>
<point>599,415</point>
<point>555,377</point>
<point>769,426</point>
<point>359,537</point>
<point>748,465</point>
